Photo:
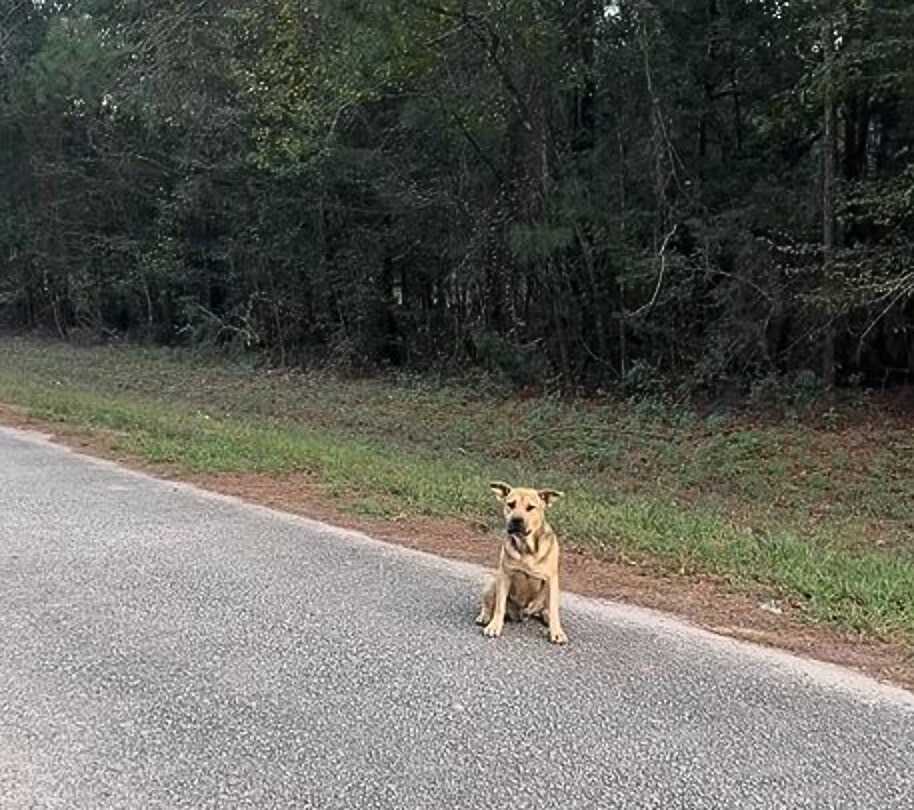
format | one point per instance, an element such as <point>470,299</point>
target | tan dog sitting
<point>527,578</point>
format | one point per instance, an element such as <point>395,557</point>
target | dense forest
<point>618,195</point>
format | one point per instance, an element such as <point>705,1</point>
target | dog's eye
<point>512,504</point>
<point>530,507</point>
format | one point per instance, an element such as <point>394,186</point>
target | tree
<point>698,192</point>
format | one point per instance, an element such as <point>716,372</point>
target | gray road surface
<point>161,647</point>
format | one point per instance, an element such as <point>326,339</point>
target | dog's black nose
<point>516,526</point>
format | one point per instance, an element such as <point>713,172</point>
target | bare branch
<point>660,274</point>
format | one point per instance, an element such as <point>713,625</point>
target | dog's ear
<point>501,489</point>
<point>549,495</point>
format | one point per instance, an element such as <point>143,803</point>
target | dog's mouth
<point>519,541</point>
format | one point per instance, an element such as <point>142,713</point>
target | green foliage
<point>595,196</point>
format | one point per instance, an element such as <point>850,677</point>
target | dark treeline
<point>597,194</point>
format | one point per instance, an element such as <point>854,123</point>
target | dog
<point>527,578</point>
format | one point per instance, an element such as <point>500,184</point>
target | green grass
<point>804,510</point>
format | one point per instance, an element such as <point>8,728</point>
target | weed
<point>816,514</point>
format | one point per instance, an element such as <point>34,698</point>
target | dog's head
<point>525,510</point>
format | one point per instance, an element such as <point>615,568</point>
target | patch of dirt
<point>705,601</point>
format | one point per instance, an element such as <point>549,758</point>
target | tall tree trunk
<point>828,204</point>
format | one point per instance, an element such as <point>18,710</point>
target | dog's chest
<point>533,565</point>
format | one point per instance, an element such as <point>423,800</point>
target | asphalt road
<point>161,647</point>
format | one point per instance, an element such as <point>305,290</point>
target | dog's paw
<point>492,629</point>
<point>482,618</point>
<point>558,637</point>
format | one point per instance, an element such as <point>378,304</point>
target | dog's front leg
<point>497,622</point>
<point>556,634</point>
<point>487,608</point>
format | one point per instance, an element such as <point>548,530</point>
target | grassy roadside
<point>816,512</point>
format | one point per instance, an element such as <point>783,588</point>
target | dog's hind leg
<point>537,606</point>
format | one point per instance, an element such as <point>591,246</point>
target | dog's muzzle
<point>516,526</point>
